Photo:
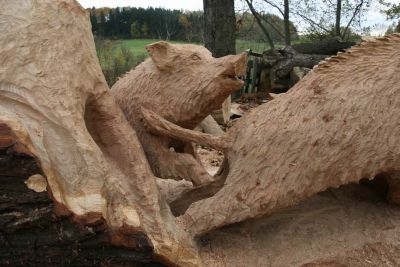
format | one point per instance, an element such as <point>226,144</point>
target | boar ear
<point>160,53</point>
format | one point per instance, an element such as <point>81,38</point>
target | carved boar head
<point>181,82</point>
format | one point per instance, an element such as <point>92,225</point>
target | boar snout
<point>234,66</point>
<point>240,64</point>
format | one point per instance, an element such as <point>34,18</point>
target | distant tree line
<point>165,24</point>
<point>154,23</point>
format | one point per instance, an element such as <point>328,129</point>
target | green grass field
<point>136,46</point>
<point>243,45</point>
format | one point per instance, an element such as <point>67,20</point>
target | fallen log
<point>330,46</point>
<point>282,61</point>
<point>278,64</point>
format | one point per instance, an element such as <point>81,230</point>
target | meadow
<point>136,46</point>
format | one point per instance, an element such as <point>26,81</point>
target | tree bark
<point>306,55</point>
<point>286,22</point>
<point>220,34</point>
<point>338,17</point>
<point>33,235</point>
<point>219,27</point>
<point>282,63</point>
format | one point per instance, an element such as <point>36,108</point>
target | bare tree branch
<point>160,126</point>
<point>356,11</point>
<point>259,22</point>
<point>312,22</point>
<point>264,18</point>
<point>275,5</point>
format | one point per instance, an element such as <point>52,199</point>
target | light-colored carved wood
<point>55,101</point>
<point>182,83</point>
<point>339,124</point>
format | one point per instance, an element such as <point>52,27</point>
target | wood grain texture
<point>55,101</point>
<point>337,125</point>
<point>182,83</point>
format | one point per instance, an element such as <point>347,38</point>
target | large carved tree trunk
<point>338,125</point>
<point>56,103</point>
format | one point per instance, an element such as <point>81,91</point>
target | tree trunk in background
<point>338,15</point>
<point>286,22</point>
<point>219,34</point>
<point>219,27</point>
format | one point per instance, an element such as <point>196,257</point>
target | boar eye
<point>195,57</point>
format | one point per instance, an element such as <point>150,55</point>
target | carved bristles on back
<point>365,47</point>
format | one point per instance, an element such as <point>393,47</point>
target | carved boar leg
<point>168,164</point>
<point>55,102</point>
<point>158,125</point>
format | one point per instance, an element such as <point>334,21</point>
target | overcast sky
<point>374,18</point>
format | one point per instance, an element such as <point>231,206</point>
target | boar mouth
<point>233,73</point>
<point>231,79</point>
<point>235,69</point>
<point>230,76</point>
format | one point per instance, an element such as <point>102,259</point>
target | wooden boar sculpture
<point>182,83</point>
<point>339,124</point>
<point>57,106</point>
